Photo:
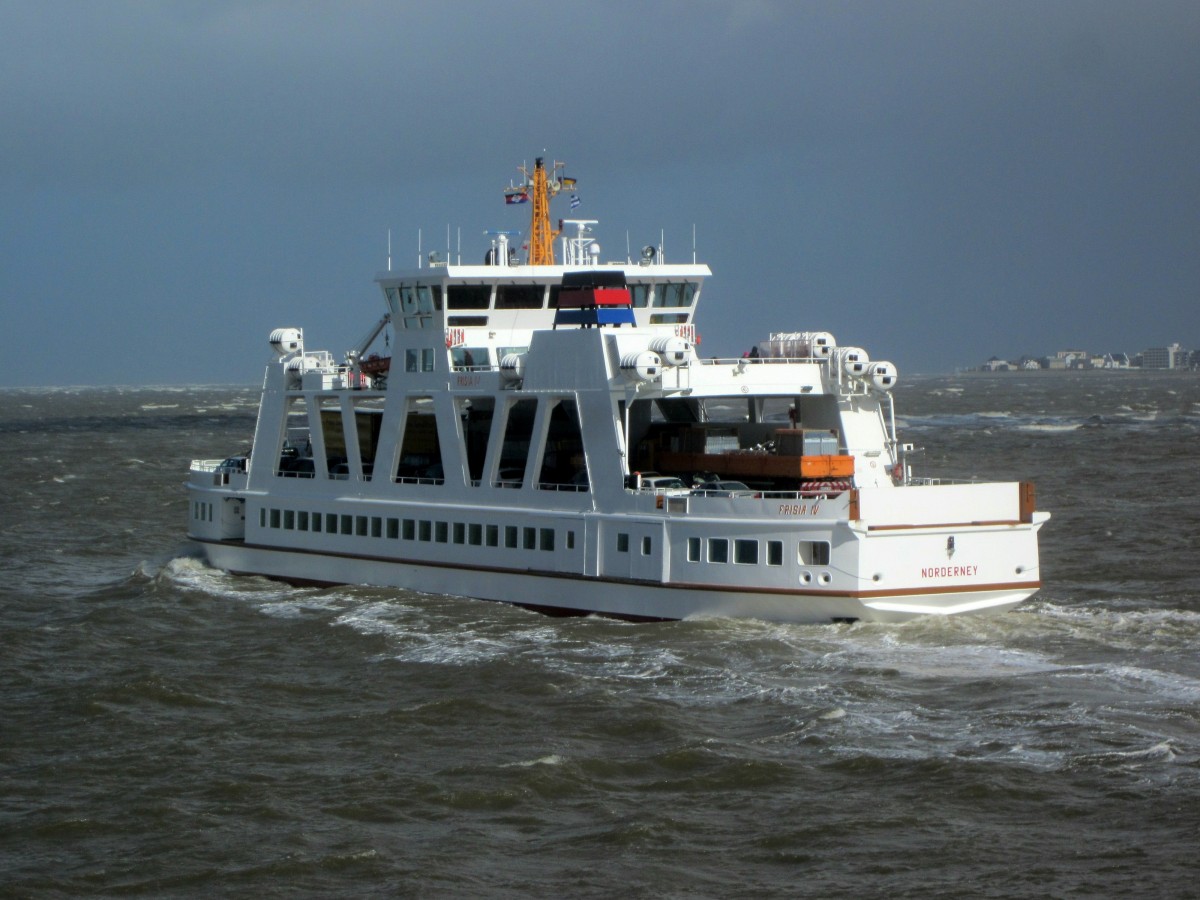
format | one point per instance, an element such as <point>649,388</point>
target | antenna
<point>662,245</point>
<point>627,257</point>
<point>418,248</point>
<point>693,243</point>
<point>389,249</point>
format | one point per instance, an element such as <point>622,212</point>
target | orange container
<point>826,466</point>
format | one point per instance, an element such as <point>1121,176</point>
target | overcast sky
<point>935,181</point>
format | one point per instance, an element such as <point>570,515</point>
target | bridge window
<point>519,296</point>
<point>674,294</point>
<point>468,296</point>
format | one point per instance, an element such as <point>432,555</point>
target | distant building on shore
<point>1157,358</point>
<point>1173,357</point>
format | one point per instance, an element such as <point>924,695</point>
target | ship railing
<point>220,471</point>
<point>758,360</point>
<point>418,479</point>
<point>557,486</point>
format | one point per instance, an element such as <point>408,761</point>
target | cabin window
<point>289,520</point>
<point>330,523</point>
<point>393,529</point>
<point>459,533</point>
<point>745,552</point>
<point>475,534</point>
<point>275,518</point>
<point>674,294</point>
<point>529,538</point>
<point>262,518</point>
<point>360,526</point>
<point>302,520</point>
<point>718,550</point>
<point>441,532</point>
<point>668,318</point>
<point>622,542</point>
<point>412,361</point>
<point>640,294</point>
<point>469,357</point>
<point>347,524</point>
<point>427,359</point>
<point>510,536</point>
<point>647,545</point>
<point>492,536</point>
<point>774,553</point>
<point>427,300</point>
<point>376,526</point>
<point>519,296</point>
<point>316,521</point>
<point>813,553</point>
<point>570,540</point>
<point>547,538</point>
<point>425,530</point>
<point>468,296</point>
<point>467,321</point>
<point>693,549</point>
<point>408,529</point>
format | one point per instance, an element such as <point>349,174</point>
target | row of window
<point>746,551</point>
<point>474,534</point>
<point>415,305</point>
<point>202,512</point>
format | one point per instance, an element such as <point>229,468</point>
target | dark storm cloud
<point>937,181</point>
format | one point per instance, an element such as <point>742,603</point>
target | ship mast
<point>540,186</point>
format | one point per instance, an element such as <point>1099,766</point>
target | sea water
<point>169,730</point>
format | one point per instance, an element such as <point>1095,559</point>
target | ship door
<point>646,548</point>
<point>632,550</point>
<point>591,546</point>
<point>233,519</point>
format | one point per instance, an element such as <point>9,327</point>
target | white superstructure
<point>505,452</point>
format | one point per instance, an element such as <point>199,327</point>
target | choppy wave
<point>173,730</point>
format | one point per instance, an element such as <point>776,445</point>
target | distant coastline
<point>1154,359</point>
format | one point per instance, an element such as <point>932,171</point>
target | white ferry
<point>546,433</point>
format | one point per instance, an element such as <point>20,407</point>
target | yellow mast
<point>542,185</point>
<point>541,236</point>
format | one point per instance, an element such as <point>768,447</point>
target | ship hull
<point>629,599</point>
